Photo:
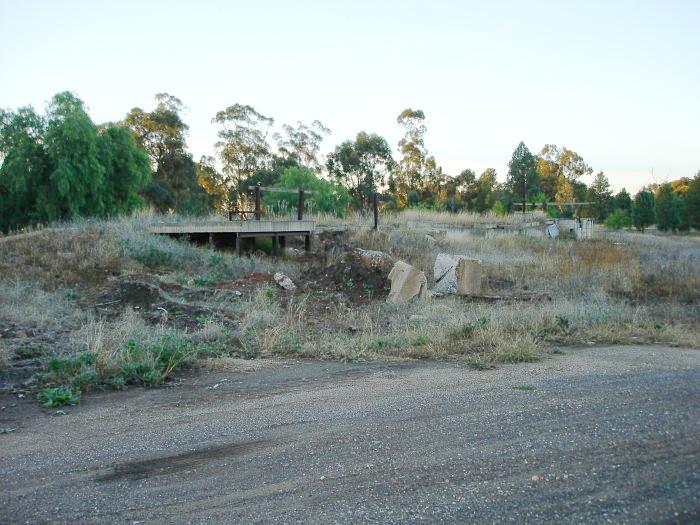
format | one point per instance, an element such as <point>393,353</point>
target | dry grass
<point>631,288</point>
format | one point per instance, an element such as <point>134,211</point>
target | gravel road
<point>596,435</point>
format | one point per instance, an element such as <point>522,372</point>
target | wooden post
<point>230,215</point>
<point>376,210</point>
<point>300,205</point>
<point>257,202</point>
<point>307,242</point>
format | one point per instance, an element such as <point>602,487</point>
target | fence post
<point>376,210</point>
<point>257,202</point>
<point>300,205</point>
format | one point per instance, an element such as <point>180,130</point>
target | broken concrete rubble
<point>456,274</point>
<point>407,282</point>
<point>284,281</point>
<point>374,260</point>
<point>468,276</point>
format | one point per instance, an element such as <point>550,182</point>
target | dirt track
<point>605,434</point>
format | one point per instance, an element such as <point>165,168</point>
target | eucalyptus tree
<point>242,146</point>
<point>162,133</point>
<point>362,165</point>
<point>303,143</point>
<point>411,166</point>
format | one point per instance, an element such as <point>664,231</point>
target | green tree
<point>618,220</point>
<point>161,132</point>
<point>127,169</point>
<point>362,166</point>
<point>600,195</point>
<point>692,203</point>
<point>411,166</point>
<point>62,165</point>
<point>328,197</point>
<point>560,170</point>
<point>486,185</point>
<point>668,209</point>
<point>623,201</point>
<point>522,179</point>
<point>24,165</point>
<point>643,210</point>
<point>242,145</point>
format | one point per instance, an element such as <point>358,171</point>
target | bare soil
<point>599,435</point>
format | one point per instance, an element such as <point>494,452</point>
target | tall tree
<point>162,133</point>
<point>62,166</point>
<point>362,166</point>
<point>600,194</point>
<point>558,165</point>
<point>486,188</point>
<point>303,143</point>
<point>127,169</point>
<point>411,166</point>
<point>467,187</point>
<point>668,209</point>
<point>643,210</point>
<point>623,201</point>
<point>522,179</point>
<point>692,203</point>
<point>242,145</point>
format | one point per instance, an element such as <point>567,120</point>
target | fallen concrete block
<point>456,274</point>
<point>468,276</point>
<point>284,281</point>
<point>407,282</point>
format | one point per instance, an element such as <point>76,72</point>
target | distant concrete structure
<point>581,229</point>
<point>237,233</point>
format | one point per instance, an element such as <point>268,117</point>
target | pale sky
<point>616,81</point>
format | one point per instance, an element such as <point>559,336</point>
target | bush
<point>58,397</point>
<point>618,220</point>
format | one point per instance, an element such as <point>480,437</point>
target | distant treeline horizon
<point>60,165</point>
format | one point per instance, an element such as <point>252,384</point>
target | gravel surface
<point>597,435</point>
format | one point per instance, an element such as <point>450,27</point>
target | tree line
<point>61,165</point>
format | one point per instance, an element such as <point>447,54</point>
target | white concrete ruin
<point>457,274</point>
<point>407,282</point>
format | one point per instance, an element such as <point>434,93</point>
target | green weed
<point>58,397</point>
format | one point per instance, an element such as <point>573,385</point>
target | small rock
<point>536,478</point>
<point>284,281</point>
<point>21,333</point>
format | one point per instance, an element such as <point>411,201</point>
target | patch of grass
<point>58,397</point>
<point>524,388</point>
<point>421,340</point>
<point>205,280</point>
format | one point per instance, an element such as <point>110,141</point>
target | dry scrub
<point>115,305</point>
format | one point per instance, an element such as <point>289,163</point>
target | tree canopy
<point>61,165</point>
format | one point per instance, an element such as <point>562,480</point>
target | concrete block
<point>456,274</point>
<point>407,282</point>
